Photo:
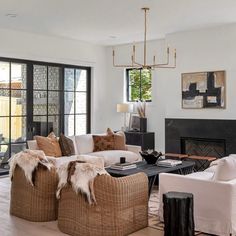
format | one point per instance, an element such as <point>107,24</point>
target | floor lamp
<point>124,108</point>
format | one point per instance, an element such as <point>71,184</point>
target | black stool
<point>178,214</point>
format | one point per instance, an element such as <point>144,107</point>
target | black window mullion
<point>29,100</point>
<point>61,99</point>
<point>88,98</point>
<point>128,85</point>
<point>47,101</point>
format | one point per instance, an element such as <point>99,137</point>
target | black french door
<point>13,108</point>
<point>37,98</point>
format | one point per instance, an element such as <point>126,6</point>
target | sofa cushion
<point>119,139</point>
<point>204,175</point>
<point>98,161</point>
<point>211,169</point>
<point>103,142</point>
<point>49,145</point>
<point>67,145</point>
<point>84,143</point>
<point>113,156</point>
<point>226,169</point>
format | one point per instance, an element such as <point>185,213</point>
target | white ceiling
<point>99,21</point>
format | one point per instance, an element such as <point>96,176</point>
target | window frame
<point>29,91</point>
<point>128,95</point>
<point>75,92</point>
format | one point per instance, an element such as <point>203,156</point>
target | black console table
<point>144,139</point>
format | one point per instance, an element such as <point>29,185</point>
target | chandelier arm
<point>163,66</point>
<point>133,59</point>
<point>125,66</point>
<point>136,63</point>
<point>119,65</point>
<point>122,65</point>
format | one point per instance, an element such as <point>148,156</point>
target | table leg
<point>151,181</point>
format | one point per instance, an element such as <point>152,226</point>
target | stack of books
<point>169,163</point>
<point>123,166</point>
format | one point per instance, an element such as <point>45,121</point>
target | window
<point>39,97</point>
<point>46,99</point>
<point>76,97</point>
<point>139,85</point>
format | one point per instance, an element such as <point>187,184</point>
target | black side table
<point>144,139</point>
<point>178,214</point>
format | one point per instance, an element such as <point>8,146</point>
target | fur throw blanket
<point>28,161</point>
<point>80,176</point>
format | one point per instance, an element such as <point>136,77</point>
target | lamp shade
<point>123,107</point>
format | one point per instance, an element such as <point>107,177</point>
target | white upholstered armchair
<point>214,201</point>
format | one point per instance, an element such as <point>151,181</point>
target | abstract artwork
<point>203,90</point>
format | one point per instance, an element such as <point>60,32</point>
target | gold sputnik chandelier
<point>144,65</point>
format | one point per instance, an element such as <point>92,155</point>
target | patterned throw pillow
<point>49,145</point>
<point>103,142</point>
<point>119,139</point>
<point>67,145</point>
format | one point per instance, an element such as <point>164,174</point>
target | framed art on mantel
<point>203,90</point>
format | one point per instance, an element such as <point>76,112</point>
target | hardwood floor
<point>13,226</point>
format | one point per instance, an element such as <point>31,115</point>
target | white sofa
<point>214,201</point>
<point>84,146</point>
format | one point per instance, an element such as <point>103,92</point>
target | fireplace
<point>203,147</point>
<point>202,137</point>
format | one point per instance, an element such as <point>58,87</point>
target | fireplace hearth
<point>202,137</point>
<point>203,147</point>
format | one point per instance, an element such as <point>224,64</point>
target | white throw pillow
<point>32,144</point>
<point>226,169</point>
<point>84,143</point>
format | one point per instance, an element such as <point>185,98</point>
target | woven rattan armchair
<point>122,207</point>
<point>34,203</point>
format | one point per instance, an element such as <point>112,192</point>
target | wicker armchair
<point>36,203</point>
<point>122,207</point>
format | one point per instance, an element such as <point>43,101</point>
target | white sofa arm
<point>214,202</point>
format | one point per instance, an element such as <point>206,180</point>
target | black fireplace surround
<point>220,131</point>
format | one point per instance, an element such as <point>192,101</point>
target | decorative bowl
<point>151,158</point>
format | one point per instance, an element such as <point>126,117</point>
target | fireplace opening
<point>203,147</point>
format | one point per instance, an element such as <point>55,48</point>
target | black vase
<point>143,124</point>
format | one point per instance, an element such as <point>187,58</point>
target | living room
<point>82,36</point>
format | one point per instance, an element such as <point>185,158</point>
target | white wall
<point>200,50</point>
<point>22,45</point>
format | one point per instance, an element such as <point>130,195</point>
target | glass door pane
<point>13,110</point>
<point>76,101</point>
<point>46,99</point>
<point>18,106</point>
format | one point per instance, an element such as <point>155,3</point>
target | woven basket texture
<point>36,203</point>
<point>122,207</point>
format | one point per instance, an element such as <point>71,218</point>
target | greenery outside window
<point>139,85</point>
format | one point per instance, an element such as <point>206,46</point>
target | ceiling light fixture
<point>144,65</point>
